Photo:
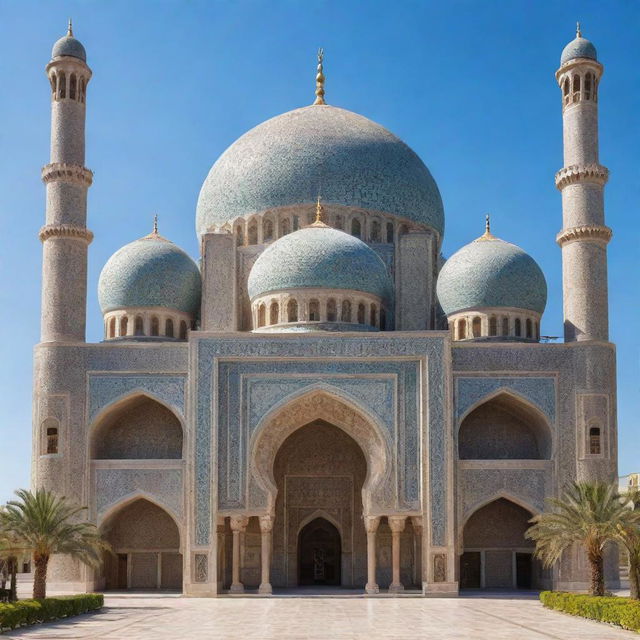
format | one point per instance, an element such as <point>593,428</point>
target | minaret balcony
<point>575,173</point>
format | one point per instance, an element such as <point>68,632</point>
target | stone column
<point>396,524</point>
<point>371,525</point>
<point>416,521</point>
<point>238,525</point>
<point>266,526</point>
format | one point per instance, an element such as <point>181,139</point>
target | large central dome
<point>319,150</point>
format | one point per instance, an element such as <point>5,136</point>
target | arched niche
<point>137,428</point>
<point>324,405</point>
<point>504,427</point>
<point>146,545</point>
<point>496,553</point>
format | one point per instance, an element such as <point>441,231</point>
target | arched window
<point>72,86</point>
<point>537,336</point>
<point>183,330</point>
<point>267,231</point>
<point>595,445</point>
<point>252,233</point>
<point>285,227</point>
<point>296,223</point>
<point>375,231</point>
<point>576,88</point>
<point>338,223</point>
<point>50,428</point>
<point>493,326</point>
<point>239,239</point>
<point>505,326</point>
<point>168,328</point>
<point>462,329</point>
<point>345,314</point>
<point>390,232</point>
<point>383,319</point>
<point>52,80</point>
<point>83,89</point>
<point>332,311</point>
<point>62,86</point>
<point>139,326</point>
<point>529,328</point>
<point>292,311</point>
<point>361,313</point>
<point>314,311</point>
<point>587,86</point>
<point>274,313</point>
<point>112,328</point>
<point>262,315</point>
<point>124,325</point>
<point>373,315</point>
<point>155,326</point>
<point>476,327</point>
<point>356,228</point>
<point>518,324</point>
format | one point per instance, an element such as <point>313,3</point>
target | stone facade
<point>377,455</point>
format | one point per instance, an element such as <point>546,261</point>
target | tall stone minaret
<point>65,237</point>
<point>584,236</point>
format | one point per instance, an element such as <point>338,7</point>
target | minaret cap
<point>320,79</point>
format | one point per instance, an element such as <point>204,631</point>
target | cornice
<point>65,231</point>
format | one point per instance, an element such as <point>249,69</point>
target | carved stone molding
<point>266,523</point>
<point>63,172</point>
<point>65,231</point>
<point>396,523</point>
<point>238,523</point>
<point>582,173</point>
<point>201,567</point>
<point>594,232</point>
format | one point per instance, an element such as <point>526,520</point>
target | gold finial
<point>320,79</point>
<point>487,235</point>
<point>578,31</point>
<point>70,29</point>
<point>319,221</point>
<point>155,224</point>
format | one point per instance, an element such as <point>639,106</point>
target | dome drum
<point>318,310</point>
<point>146,323</point>
<point>499,324</point>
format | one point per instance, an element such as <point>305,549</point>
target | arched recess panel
<point>496,553</point>
<point>141,428</point>
<point>504,428</point>
<point>146,548</point>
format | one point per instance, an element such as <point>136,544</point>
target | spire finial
<point>578,31</point>
<point>320,79</point>
<point>155,224</point>
<point>70,29</point>
<point>319,212</point>
<point>487,235</point>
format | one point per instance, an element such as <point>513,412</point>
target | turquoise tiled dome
<point>578,48</point>
<point>320,257</point>
<point>69,46</point>
<point>345,157</point>
<point>150,272</point>
<point>490,272</point>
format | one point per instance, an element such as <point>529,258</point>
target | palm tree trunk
<point>13,587</point>
<point>596,562</point>
<point>40,576</point>
<point>634,576</point>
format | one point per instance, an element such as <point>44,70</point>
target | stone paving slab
<point>320,618</point>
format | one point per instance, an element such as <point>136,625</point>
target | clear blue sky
<point>468,85</point>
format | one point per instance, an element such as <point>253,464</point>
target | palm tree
<point>10,549</point>
<point>46,524</point>
<point>629,537</point>
<point>589,514</point>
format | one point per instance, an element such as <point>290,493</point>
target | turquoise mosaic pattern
<point>244,372</point>
<point>103,389</point>
<point>320,257</point>
<point>578,48</point>
<point>491,273</point>
<point>540,391</point>
<point>69,46</point>
<point>319,150</point>
<point>150,272</point>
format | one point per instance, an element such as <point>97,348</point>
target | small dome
<point>578,48</point>
<point>150,272</point>
<point>69,46</point>
<point>490,273</point>
<point>320,257</point>
<point>288,159</point>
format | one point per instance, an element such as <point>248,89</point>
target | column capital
<point>238,523</point>
<point>396,523</point>
<point>371,523</point>
<point>266,523</point>
<point>416,522</point>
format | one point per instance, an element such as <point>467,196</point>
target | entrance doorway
<point>319,552</point>
<point>470,570</point>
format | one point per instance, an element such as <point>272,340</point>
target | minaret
<point>65,237</point>
<point>584,236</point>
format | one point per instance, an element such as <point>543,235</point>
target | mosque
<point>321,399</point>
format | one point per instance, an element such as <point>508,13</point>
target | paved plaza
<point>335,618</point>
